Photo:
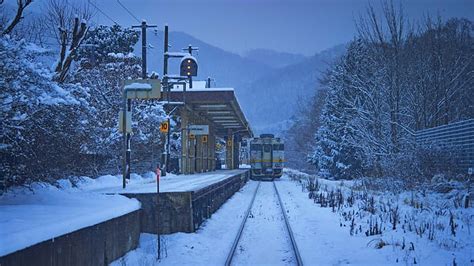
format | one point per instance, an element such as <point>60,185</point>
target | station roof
<point>218,105</point>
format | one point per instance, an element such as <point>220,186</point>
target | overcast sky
<point>297,26</point>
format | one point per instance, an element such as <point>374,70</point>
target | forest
<point>63,120</point>
<point>397,77</point>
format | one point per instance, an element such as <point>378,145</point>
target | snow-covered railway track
<point>268,238</point>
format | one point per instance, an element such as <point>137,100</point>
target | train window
<point>277,147</point>
<point>267,148</point>
<point>255,147</point>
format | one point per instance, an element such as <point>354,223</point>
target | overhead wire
<point>128,11</point>
<point>102,12</point>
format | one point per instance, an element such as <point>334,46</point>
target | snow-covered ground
<point>409,226</point>
<point>323,236</point>
<point>31,215</point>
<point>340,224</point>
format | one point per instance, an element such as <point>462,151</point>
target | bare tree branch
<point>68,23</point>
<point>22,4</point>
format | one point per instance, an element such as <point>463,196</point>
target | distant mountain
<point>274,59</point>
<point>272,98</point>
<point>267,94</point>
<point>228,69</point>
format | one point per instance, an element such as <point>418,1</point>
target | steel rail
<point>299,261</point>
<point>241,229</point>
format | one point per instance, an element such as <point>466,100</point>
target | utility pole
<point>144,27</point>
<point>168,83</point>
<point>166,88</point>
<point>128,136</point>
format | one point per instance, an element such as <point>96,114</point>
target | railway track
<point>240,233</point>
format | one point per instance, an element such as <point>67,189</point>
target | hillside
<point>228,69</point>
<point>272,98</point>
<point>274,59</point>
<point>266,92</point>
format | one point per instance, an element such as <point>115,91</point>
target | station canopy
<point>217,105</point>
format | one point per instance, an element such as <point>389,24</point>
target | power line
<point>102,12</point>
<point>128,11</point>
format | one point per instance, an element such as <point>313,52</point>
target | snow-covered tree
<point>102,67</point>
<point>11,24</point>
<point>389,84</point>
<point>337,154</point>
<point>68,22</point>
<point>36,140</point>
<point>299,137</point>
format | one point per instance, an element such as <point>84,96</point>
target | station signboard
<point>198,129</point>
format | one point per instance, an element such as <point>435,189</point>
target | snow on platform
<point>31,216</point>
<point>170,183</point>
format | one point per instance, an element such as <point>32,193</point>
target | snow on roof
<point>138,86</point>
<point>198,85</point>
<point>202,89</point>
<point>177,54</point>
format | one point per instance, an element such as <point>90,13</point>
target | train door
<point>256,158</point>
<point>267,159</point>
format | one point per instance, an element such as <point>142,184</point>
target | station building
<point>215,111</point>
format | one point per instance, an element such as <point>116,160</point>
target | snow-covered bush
<point>399,218</point>
<point>36,140</point>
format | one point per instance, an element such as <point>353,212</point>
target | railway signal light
<point>188,66</point>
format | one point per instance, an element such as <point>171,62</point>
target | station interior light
<point>223,117</point>
<point>212,106</point>
<point>218,112</point>
<point>226,121</point>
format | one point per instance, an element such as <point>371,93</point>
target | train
<point>266,157</point>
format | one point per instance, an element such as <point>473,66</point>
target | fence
<point>457,138</point>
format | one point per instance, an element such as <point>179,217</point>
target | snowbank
<point>419,226</point>
<point>30,216</point>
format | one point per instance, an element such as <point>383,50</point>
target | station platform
<point>92,224</point>
<point>170,183</point>
<point>184,202</point>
